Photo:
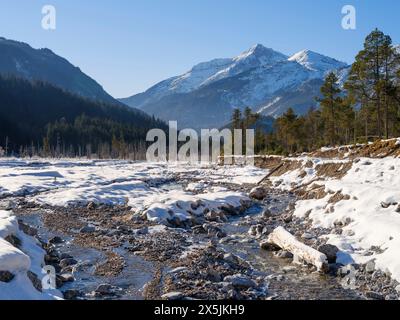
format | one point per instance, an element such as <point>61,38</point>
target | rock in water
<point>330,251</point>
<point>240,281</point>
<point>265,245</point>
<point>55,240</point>
<point>266,213</point>
<point>67,262</point>
<point>6,276</point>
<point>172,296</point>
<point>103,289</point>
<point>67,277</point>
<point>71,294</point>
<point>230,258</point>
<point>374,295</point>
<point>258,193</point>
<point>283,254</point>
<point>36,282</point>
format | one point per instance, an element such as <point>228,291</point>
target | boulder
<point>103,289</point>
<point>266,213</point>
<point>172,296</point>
<point>283,254</point>
<point>374,295</point>
<point>258,193</point>
<point>71,294</point>
<point>55,240</point>
<point>266,245</point>
<point>36,282</point>
<point>230,258</point>
<point>67,277</point>
<point>6,276</point>
<point>67,262</point>
<point>141,231</point>
<point>240,281</point>
<point>330,251</point>
<point>65,256</point>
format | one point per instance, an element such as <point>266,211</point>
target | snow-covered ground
<point>147,187</point>
<point>63,183</point>
<point>18,261</point>
<point>369,213</point>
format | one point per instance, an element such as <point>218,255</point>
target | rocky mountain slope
<point>264,79</point>
<point>21,60</point>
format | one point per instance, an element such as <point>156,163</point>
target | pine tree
<point>286,130</point>
<point>236,119</point>
<point>371,79</point>
<point>330,106</point>
<point>248,118</point>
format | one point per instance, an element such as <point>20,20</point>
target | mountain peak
<point>262,53</point>
<point>258,47</point>
<point>21,60</point>
<point>316,62</point>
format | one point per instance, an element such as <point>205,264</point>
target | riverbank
<point>128,230</point>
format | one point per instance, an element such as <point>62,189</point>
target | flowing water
<point>286,281</point>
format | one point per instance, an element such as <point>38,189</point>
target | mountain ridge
<point>261,78</point>
<point>21,60</point>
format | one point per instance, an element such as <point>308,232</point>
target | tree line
<point>37,118</point>
<point>365,107</point>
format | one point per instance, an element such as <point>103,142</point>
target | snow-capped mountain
<point>317,62</point>
<point>206,73</point>
<point>266,80</point>
<point>21,60</point>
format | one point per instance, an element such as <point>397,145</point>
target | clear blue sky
<point>129,45</point>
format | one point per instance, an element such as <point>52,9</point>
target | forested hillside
<point>38,118</point>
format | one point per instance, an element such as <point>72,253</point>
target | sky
<point>129,45</point>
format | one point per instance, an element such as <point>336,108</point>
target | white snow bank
<point>182,205</point>
<point>63,183</point>
<point>12,259</point>
<point>370,217</point>
<point>19,261</point>
<point>8,224</point>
